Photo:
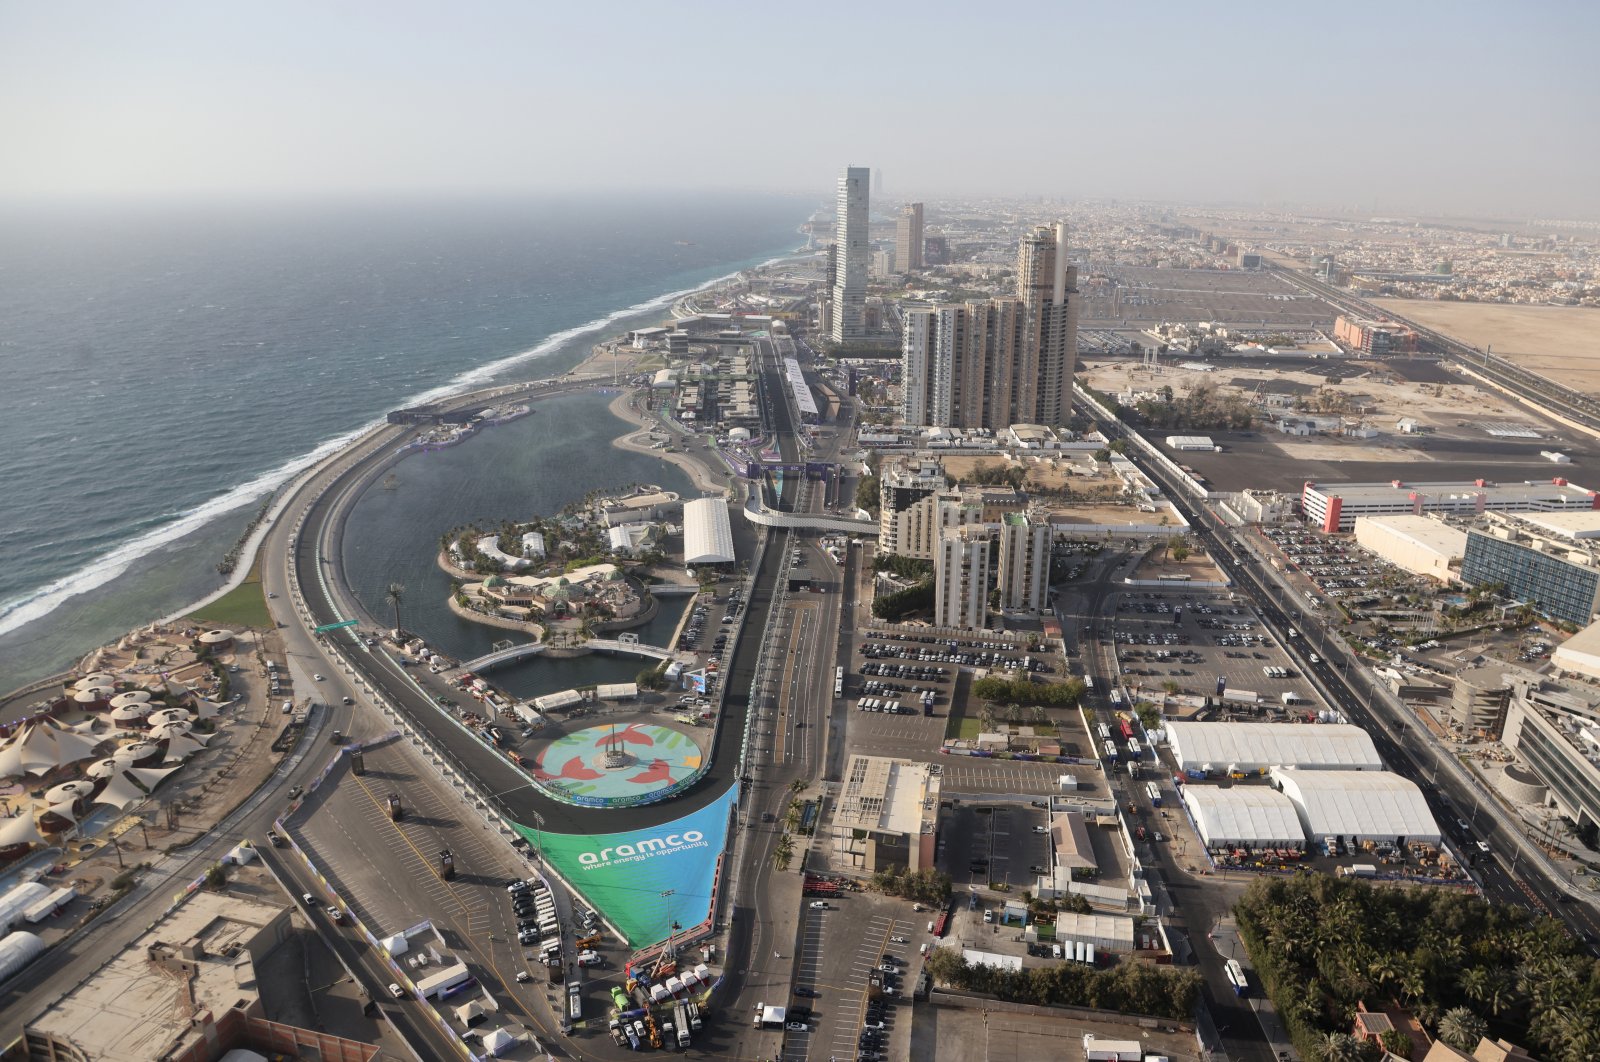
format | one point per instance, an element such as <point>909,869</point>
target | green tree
<point>392,597</point>
<point>1462,1029</point>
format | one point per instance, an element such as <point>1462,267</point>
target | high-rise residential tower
<point>1050,326</point>
<point>961,577</point>
<point>1001,361</point>
<point>854,256</point>
<point>1024,573</point>
<point>908,238</point>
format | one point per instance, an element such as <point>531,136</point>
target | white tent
<point>150,777</point>
<point>707,534</point>
<point>497,1041</point>
<point>1359,806</point>
<point>40,747</point>
<point>67,792</point>
<point>19,899</point>
<point>1254,816</point>
<point>1253,746</point>
<point>469,1012</point>
<point>120,792</point>
<point>182,746</point>
<point>239,855</point>
<point>19,830</point>
<point>396,945</point>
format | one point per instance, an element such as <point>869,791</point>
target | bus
<point>1153,793</point>
<point>1174,578</point>
<point>1116,697</point>
<point>1088,683</point>
<point>1134,752</point>
<point>574,1002</point>
<point>838,681</point>
<point>1111,750</point>
<point>1236,977</point>
<point>1105,732</point>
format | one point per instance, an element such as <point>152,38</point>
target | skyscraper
<point>1050,327</point>
<point>908,238</point>
<point>1001,361</point>
<point>854,255</point>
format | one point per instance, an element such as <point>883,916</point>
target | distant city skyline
<point>1467,108</point>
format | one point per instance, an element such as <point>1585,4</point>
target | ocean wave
<point>41,601</point>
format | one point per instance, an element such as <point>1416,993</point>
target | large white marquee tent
<point>1252,816</point>
<point>1253,746</point>
<point>1359,806</point>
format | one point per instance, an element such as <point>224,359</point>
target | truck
<point>396,810</point>
<point>680,1022</point>
<point>274,838</point>
<point>447,865</point>
<point>694,1015</point>
<point>437,985</point>
<point>1358,870</point>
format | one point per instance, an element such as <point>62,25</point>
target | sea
<point>167,366</point>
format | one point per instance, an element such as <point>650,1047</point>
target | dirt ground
<point>1383,398</point>
<point>1562,342</point>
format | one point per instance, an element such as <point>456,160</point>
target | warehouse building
<point>707,534</point>
<point>1218,747</point>
<point>1357,806</point>
<point>1421,545</point>
<point>1248,816</point>
<point>1335,506</point>
<point>1190,442</point>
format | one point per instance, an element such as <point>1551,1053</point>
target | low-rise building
<point>1422,545</point>
<point>1335,506</point>
<point>185,990</point>
<point>887,815</point>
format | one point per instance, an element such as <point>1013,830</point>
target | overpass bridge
<point>756,511</point>
<point>598,645</point>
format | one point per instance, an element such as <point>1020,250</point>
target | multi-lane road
<point>1403,747</point>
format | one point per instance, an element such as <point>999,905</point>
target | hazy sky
<point>1400,105</point>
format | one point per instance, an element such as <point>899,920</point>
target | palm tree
<point>1462,1029</point>
<point>392,597</point>
<point>1339,1047</point>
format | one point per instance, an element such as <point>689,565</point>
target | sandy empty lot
<point>1561,342</point>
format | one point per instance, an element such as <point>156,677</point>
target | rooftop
<point>888,796</point>
<point>1423,531</point>
<point>143,1002</point>
<point>1557,493</point>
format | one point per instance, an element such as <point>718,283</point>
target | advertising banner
<point>644,880</point>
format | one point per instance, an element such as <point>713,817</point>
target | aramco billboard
<point>644,880</point>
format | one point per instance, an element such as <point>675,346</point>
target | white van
<point>288,706</point>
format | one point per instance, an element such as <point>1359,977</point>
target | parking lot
<point>957,1034</point>
<point>1180,643</point>
<point>984,843</point>
<point>901,688</point>
<point>842,949</point>
<point>1342,570</point>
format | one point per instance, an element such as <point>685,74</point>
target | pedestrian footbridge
<point>598,645</point>
<point>757,513</point>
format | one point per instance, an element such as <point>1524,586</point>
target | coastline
<point>709,479</point>
<point>596,367</point>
